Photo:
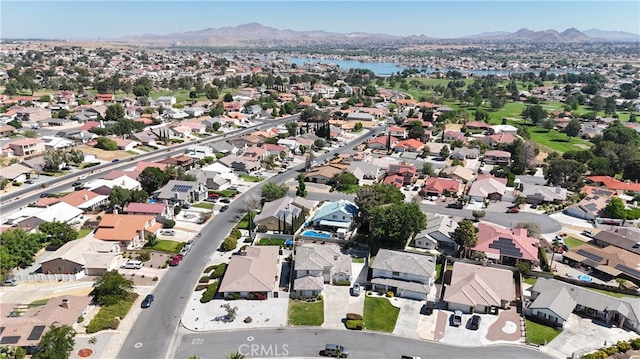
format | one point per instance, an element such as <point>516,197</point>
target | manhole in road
<point>138,345</point>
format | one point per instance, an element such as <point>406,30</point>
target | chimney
<point>335,258</point>
<point>85,197</point>
<point>65,304</point>
<point>115,211</point>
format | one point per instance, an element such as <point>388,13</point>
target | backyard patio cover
<point>327,223</point>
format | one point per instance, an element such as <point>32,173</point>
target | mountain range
<point>255,34</point>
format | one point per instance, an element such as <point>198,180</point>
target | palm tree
<point>236,355</point>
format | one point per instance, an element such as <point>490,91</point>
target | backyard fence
<point>42,277</point>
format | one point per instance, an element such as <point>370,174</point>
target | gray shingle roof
<point>411,263</point>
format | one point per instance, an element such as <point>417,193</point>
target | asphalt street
<point>309,342</point>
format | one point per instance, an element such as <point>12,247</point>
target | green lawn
<point>530,280</point>
<point>556,141</point>
<point>271,242</point>
<point>611,294</point>
<point>39,302</point>
<point>352,188</point>
<point>304,313</point>
<point>540,334</point>
<point>225,192</point>
<point>244,222</point>
<point>132,152</point>
<point>83,232</point>
<point>205,205</point>
<point>380,314</point>
<point>573,242</point>
<point>165,245</point>
<point>249,178</point>
<point>357,260</point>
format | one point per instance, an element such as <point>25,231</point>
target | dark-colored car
<point>225,200</point>
<point>457,205</point>
<point>29,182</point>
<point>224,208</point>
<point>427,309</point>
<point>475,322</point>
<point>76,184</point>
<point>78,188</point>
<point>116,160</point>
<point>146,302</point>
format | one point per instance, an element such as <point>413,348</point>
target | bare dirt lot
<point>104,155</point>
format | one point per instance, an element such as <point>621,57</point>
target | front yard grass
<point>204,205</point>
<point>357,260</point>
<point>109,316</point>
<point>83,232</point>
<point>611,294</point>
<point>557,141</point>
<point>244,222</point>
<point>305,313</point>
<point>165,245</point>
<point>225,192</point>
<point>540,334</point>
<point>249,178</point>
<point>271,242</point>
<point>380,314</point>
<point>352,188</point>
<point>573,242</point>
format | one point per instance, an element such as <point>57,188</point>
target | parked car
<point>174,262</point>
<point>76,184</point>
<point>355,290</point>
<point>409,357</point>
<point>457,205</point>
<point>29,182</point>
<point>513,210</point>
<point>587,233</point>
<point>224,208</point>
<point>233,188</point>
<point>213,195</point>
<point>132,264</point>
<point>146,302</point>
<point>475,322</point>
<point>534,206</point>
<point>116,160</point>
<point>225,200</point>
<point>427,309</point>
<point>457,318</point>
<point>10,282</point>
<point>336,350</point>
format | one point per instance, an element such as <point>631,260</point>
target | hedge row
<point>109,316</point>
<point>210,293</point>
<point>620,347</point>
<point>355,324</point>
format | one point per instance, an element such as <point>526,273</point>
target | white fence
<point>41,277</point>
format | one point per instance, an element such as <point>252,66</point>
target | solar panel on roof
<point>1,330</point>
<point>506,247</point>
<point>592,207</point>
<point>181,188</point>
<point>589,255</point>
<point>10,340</point>
<point>36,332</point>
<point>627,270</point>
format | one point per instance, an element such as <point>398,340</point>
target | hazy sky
<point>444,19</point>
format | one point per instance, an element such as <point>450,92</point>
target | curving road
<point>308,343</point>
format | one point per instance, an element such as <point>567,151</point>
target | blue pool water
<point>312,233</point>
<point>152,200</point>
<point>585,278</point>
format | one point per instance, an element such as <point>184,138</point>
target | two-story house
<point>409,275</point>
<point>316,265</point>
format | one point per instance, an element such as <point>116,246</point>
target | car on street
<point>76,184</point>
<point>456,319</point>
<point>475,322</point>
<point>513,210</point>
<point>224,208</point>
<point>335,350</point>
<point>409,357</point>
<point>10,282</point>
<point>29,182</point>
<point>456,205</point>
<point>116,160</point>
<point>355,290</point>
<point>146,302</point>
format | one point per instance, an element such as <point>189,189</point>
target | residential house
<point>615,184</point>
<point>129,231</point>
<point>316,265</point>
<point>464,153</point>
<point>105,185</point>
<point>554,301</point>
<point>496,129</point>
<point>290,143</point>
<point>459,173</point>
<point>497,139</point>
<point>275,150</point>
<point>398,132</point>
<point>6,130</point>
<point>26,147</point>
<point>506,246</point>
<point>85,199</point>
<point>56,122</point>
<point>364,171</point>
<point>323,174</point>
<point>408,145</point>
<point>283,213</point>
<point>200,151</point>
<point>181,192</point>
<point>439,235</point>
<point>146,137</point>
<point>255,154</point>
<point>478,125</point>
<point>29,218</point>
<point>406,171</point>
<point>166,101</point>
<point>32,114</point>
<point>186,162</point>
<point>195,111</point>
<point>408,275</point>
<point>496,157</point>
<point>247,141</point>
<point>175,114</point>
<point>89,255</point>
<point>487,187</point>
<point>537,194</point>
<point>16,172</point>
<point>360,116</point>
<point>450,136</point>
<point>606,263</point>
<point>434,148</point>
<point>337,214</point>
<point>56,143</point>
<point>626,238</point>
<point>479,289</point>
<point>253,274</point>
<point>589,207</point>
<point>436,186</point>
<point>239,164</point>
<point>224,148</point>
<point>160,211</point>
<point>125,144</point>
<point>215,180</point>
<point>380,142</point>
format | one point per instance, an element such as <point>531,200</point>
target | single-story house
<point>438,235</point>
<point>239,164</point>
<point>438,186</point>
<point>159,210</point>
<point>284,211</point>
<point>459,173</point>
<point>478,289</point>
<point>254,272</point>
<point>338,214</point>
<point>487,187</point>
<point>323,174</point>
<point>93,256</point>
<point>609,262</point>
<point>537,194</point>
<point>128,230</point>
<point>181,192</point>
<point>506,246</point>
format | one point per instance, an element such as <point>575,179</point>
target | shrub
<point>248,320</point>
<point>232,296</point>
<point>623,346</point>
<point>168,223</point>
<point>155,279</point>
<point>209,268</point>
<point>210,293</point>
<point>218,271</point>
<point>611,350</point>
<point>235,232</point>
<point>320,297</point>
<point>389,294</point>
<point>204,279</point>
<point>176,210</point>
<point>354,324</point>
<point>354,316</point>
<point>200,287</point>
<point>80,319</point>
<point>229,244</point>
<point>144,256</point>
<point>635,343</point>
<point>343,283</point>
<point>164,266</point>
<point>595,355</point>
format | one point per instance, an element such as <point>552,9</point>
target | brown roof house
<point>608,262</point>
<point>254,273</point>
<point>478,289</point>
<point>88,254</point>
<point>487,187</point>
<point>323,174</point>
<point>282,212</point>
<point>128,230</point>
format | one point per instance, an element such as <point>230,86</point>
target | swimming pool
<point>312,233</point>
<point>585,278</point>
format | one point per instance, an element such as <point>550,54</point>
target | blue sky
<point>444,19</point>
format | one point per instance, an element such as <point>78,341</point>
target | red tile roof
<point>615,184</point>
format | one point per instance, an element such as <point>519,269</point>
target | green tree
<point>301,191</point>
<point>533,229</point>
<point>548,124</point>
<point>478,214</point>
<point>58,233</point>
<point>139,196</point>
<point>57,343</point>
<point>444,152</point>
<point>106,143</point>
<point>53,160</point>
<point>227,98</point>
<point>427,169</point>
<point>466,235</point>
<point>392,226</point>
<point>12,352</point>
<point>114,112</point>
<point>272,191</point>
<point>370,197</point>
<point>152,178</point>
<point>343,181</point>
<point>119,196</point>
<point>416,130</point>
<point>568,174</point>
<point>357,127</point>
<point>615,209</point>
<point>17,247</point>
<point>111,288</point>
<point>573,128</point>
<point>292,128</point>
<point>534,113</point>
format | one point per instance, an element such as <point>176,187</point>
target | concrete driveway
<point>582,335</point>
<point>408,318</point>
<point>466,337</point>
<point>335,299</point>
